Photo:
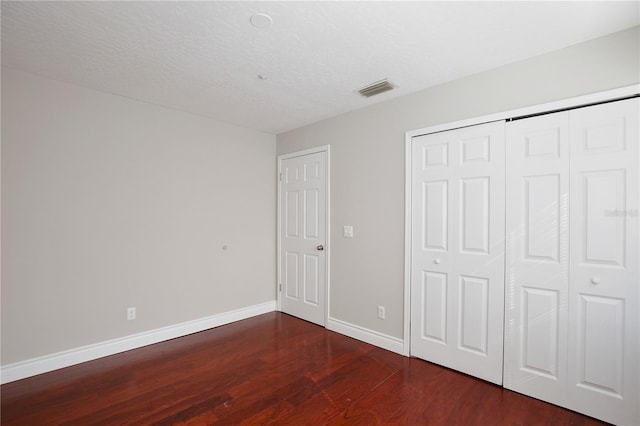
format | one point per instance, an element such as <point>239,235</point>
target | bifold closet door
<point>537,256</point>
<point>457,261</point>
<point>604,327</point>
<point>572,285</point>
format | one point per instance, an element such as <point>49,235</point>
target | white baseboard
<point>32,367</point>
<point>372,337</point>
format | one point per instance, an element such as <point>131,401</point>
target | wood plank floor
<point>272,368</point>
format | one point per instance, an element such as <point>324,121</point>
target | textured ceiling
<point>205,57</point>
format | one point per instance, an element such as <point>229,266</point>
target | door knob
<point>320,247</point>
<point>437,261</point>
<point>595,280</point>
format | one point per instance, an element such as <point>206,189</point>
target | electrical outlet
<point>347,231</point>
<point>381,312</point>
<point>131,314</point>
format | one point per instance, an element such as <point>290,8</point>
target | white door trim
<point>326,149</point>
<point>584,100</point>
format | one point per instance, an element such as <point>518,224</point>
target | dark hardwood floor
<point>268,369</point>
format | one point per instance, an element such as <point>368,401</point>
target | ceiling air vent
<point>376,88</point>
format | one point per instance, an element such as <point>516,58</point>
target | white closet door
<point>537,256</point>
<point>457,278</point>
<point>604,297</point>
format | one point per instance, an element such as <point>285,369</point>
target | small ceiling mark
<point>262,77</point>
<point>261,20</point>
<point>376,88</point>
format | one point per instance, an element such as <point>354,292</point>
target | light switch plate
<point>347,231</point>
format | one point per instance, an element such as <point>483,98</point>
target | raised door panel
<point>435,217</point>
<point>601,326</point>
<point>311,279</point>
<point>603,238</point>
<point>434,307</point>
<point>604,333</point>
<point>542,200</point>
<point>291,276</point>
<point>537,256</point>
<point>435,156</point>
<point>474,215</point>
<point>475,149</point>
<point>291,214</point>
<point>473,311</point>
<point>540,332</point>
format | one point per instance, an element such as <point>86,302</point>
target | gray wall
<point>367,160</point>
<point>109,203</point>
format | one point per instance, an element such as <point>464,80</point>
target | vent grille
<point>376,88</point>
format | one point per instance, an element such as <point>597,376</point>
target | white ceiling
<point>205,57</point>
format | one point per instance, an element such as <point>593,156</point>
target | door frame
<point>568,103</point>
<point>327,245</point>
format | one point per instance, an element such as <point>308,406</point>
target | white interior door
<point>303,229</point>
<point>604,300</point>
<point>537,257</point>
<point>457,256</point>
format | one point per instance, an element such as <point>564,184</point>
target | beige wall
<point>367,160</point>
<point>109,203</point>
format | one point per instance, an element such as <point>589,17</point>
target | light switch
<point>347,231</point>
